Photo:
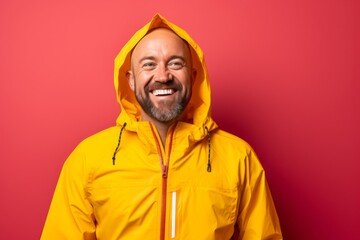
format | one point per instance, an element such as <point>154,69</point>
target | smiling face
<point>161,75</point>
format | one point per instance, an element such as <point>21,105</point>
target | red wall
<point>285,77</point>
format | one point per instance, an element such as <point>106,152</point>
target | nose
<point>162,74</point>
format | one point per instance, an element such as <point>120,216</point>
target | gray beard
<point>161,114</point>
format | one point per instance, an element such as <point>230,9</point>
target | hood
<point>199,108</point>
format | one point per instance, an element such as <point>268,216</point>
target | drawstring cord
<point>209,162</point>
<point>118,145</point>
<point>209,147</point>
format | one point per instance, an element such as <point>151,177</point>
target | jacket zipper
<point>165,169</point>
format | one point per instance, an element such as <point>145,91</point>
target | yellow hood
<point>186,189</point>
<point>198,111</point>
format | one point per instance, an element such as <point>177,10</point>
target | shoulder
<point>104,135</point>
<point>97,146</point>
<point>228,144</point>
<point>228,140</point>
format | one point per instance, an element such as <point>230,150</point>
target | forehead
<point>161,41</point>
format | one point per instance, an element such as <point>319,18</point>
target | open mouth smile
<point>163,92</point>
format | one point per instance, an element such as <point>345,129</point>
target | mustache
<point>163,85</point>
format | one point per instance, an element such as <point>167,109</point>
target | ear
<point>193,75</point>
<point>130,78</point>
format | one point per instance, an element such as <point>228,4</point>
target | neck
<point>161,127</point>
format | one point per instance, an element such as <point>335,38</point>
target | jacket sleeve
<point>257,217</point>
<point>71,215</point>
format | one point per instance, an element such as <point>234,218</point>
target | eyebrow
<point>146,58</point>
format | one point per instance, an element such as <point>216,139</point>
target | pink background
<point>285,77</point>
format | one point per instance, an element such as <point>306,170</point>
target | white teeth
<point>160,92</point>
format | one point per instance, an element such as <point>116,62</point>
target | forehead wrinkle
<point>187,57</point>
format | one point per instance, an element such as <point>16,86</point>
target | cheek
<point>184,78</point>
<point>141,80</point>
<point>187,82</point>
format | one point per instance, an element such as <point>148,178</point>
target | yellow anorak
<point>122,183</point>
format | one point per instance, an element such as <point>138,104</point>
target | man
<point>166,171</point>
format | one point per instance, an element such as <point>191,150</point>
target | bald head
<point>160,38</point>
